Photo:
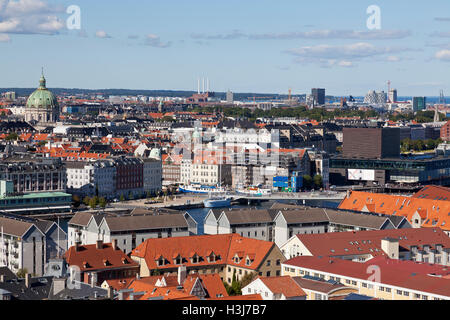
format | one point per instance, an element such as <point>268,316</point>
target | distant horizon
<point>6,89</point>
<point>235,44</point>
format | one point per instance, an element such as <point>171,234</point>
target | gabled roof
<point>369,242</point>
<point>283,285</point>
<point>145,222</point>
<point>89,258</point>
<point>225,247</point>
<point>14,227</point>
<point>435,211</point>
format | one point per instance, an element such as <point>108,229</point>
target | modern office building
<point>393,96</point>
<point>412,170</point>
<point>371,143</point>
<point>318,96</point>
<point>373,97</point>
<point>419,103</point>
<point>230,97</point>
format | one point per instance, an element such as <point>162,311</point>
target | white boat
<point>218,202</point>
<point>254,192</point>
<point>202,189</point>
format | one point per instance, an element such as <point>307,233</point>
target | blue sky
<point>245,45</point>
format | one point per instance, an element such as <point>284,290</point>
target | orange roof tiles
<point>224,246</point>
<point>283,285</point>
<point>436,212</point>
<point>433,193</point>
<point>89,258</point>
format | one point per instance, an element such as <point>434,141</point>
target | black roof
<point>39,288</point>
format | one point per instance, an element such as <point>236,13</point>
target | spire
<point>42,81</point>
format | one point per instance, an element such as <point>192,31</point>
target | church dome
<point>42,98</point>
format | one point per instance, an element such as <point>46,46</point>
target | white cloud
<point>153,40</point>
<point>102,34</point>
<point>393,59</point>
<point>316,34</point>
<point>341,55</point>
<point>443,55</point>
<point>30,17</point>
<point>4,38</point>
<point>346,64</point>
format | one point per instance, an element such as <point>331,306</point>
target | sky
<point>262,46</point>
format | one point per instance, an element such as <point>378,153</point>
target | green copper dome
<point>42,98</point>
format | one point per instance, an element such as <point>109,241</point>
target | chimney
<point>99,244</point>
<point>114,244</point>
<point>390,247</point>
<point>93,279</point>
<point>110,293</point>
<point>138,277</point>
<point>2,278</point>
<point>28,280</point>
<point>77,245</point>
<point>182,273</point>
<point>59,284</point>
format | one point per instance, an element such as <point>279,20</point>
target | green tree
<point>318,181</point>
<point>86,200</point>
<point>93,203</point>
<point>21,273</point>
<point>102,202</point>
<point>307,181</point>
<point>12,137</point>
<point>76,201</point>
<point>122,197</point>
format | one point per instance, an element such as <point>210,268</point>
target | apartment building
<point>297,288</point>
<point>281,222</point>
<point>152,175</point>
<point>99,262</point>
<point>379,278</point>
<point>91,178</point>
<point>29,244</point>
<point>34,175</point>
<point>423,212</point>
<point>226,254</point>
<point>129,230</point>
<point>129,177</point>
<point>428,245</point>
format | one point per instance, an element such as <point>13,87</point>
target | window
<point>268,263</point>
<point>268,274</point>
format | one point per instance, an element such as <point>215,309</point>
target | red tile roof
<point>283,285</point>
<point>224,246</point>
<point>404,274</point>
<point>89,258</point>
<point>336,244</point>
<point>437,211</point>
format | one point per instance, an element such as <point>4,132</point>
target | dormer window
<point>160,261</point>
<point>178,260</point>
<point>211,257</point>
<point>195,258</point>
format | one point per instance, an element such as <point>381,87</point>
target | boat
<point>217,202</point>
<point>254,192</point>
<point>202,189</point>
